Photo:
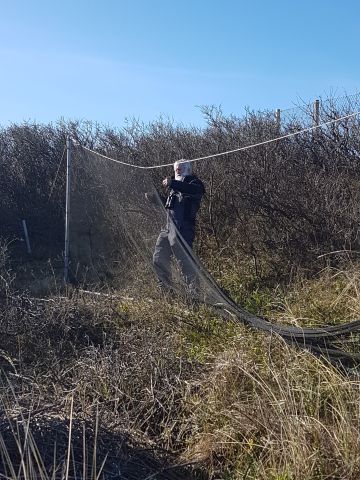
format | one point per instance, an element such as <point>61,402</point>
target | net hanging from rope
<point>117,214</point>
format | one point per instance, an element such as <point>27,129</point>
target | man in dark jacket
<point>185,192</point>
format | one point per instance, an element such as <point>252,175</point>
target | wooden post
<point>278,119</point>
<point>316,113</point>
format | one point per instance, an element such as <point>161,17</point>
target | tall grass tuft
<point>267,411</point>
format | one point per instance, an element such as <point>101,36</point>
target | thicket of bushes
<point>287,201</point>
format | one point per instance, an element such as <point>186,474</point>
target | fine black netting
<point>117,214</point>
<point>105,212</point>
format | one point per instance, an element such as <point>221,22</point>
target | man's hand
<point>166,182</point>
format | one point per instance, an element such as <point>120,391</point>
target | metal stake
<point>26,235</point>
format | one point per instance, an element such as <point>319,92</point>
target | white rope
<point>241,149</point>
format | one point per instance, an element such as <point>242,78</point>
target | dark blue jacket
<point>183,203</point>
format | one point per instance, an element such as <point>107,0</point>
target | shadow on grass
<point>39,448</point>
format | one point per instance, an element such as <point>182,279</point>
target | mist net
<point>117,214</point>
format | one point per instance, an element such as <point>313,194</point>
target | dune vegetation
<point>133,384</point>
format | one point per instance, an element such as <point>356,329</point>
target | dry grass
<point>49,444</point>
<point>268,411</point>
<point>168,385</point>
<point>120,362</point>
<point>330,298</point>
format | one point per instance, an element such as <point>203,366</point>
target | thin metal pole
<point>26,235</point>
<point>67,209</point>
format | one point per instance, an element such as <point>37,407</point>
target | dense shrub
<point>286,201</point>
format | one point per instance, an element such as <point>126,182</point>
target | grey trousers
<point>165,248</point>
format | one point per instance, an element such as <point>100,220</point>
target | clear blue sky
<point>109,60</point>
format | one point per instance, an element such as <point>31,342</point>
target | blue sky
<point>110,60</point>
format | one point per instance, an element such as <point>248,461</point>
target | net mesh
<point>118,213</point>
